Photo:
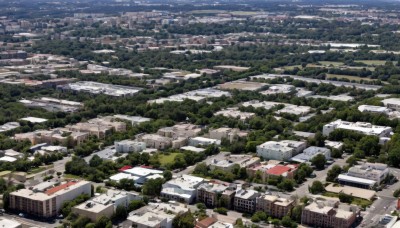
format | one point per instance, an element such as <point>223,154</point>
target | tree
<point>259,216</point>
<point>296,213</point>
<point>95,161</point>
<point>201,169</point>
<point>344,198</point>
<point>352,160</point>
<point>167,175</point>
<point>136,204</point>
<point>369,145</point>
<point>80,222</point>
<point>319,161</point>
<point>316,187</point>
<point>121,213</point>
<point>286,185</point>
<point>153,187</point>
<point>103,222</point>
<point>287,221</point>
<point>185,220</point>
<point>333,173</point>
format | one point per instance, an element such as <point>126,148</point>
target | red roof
<point>125,168</point>
<point>51,191</point>
<point>278,170</point>
<point>205,223</point>
<point>146,166</point>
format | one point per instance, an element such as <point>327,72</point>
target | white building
<point>201,141</point>
<point>360,127</point>
<point>9,126</point>
<point>373,109</point>
<point>392,103</point>
<point>235,113</point>
<point>278,88</point>
<point>312,151</point>
<point>281,151</point>
<point>139,174</point>
<point>365,175</point>
<point>105,204</point>
<point>135,120</point>
<point>182,189</point>
<point>156,215</point>
<point>128,146</point>
<point>227,163</point>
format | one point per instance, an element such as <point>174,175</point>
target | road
<point>321,175</point>
<point>384,204</point>
<point>58,166</point>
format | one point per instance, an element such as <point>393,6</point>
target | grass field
<point>371,62</point>
<point>3,173</point>
<point>166,159</point>
<point>355,78</point>
<point>357,201</point>
<point>328,63</point>
<point>291,67</point>
<point>70,176</point>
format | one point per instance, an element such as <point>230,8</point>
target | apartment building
<point>99,127</point>
<point>180,130</point>
<point>310,152</point>
<point>156,141</point>
<point>392,103</point>
<point>202,141</point>
<point>245,200</point>
<point>46,201</point>
<point>128,146</point>
<point>182,189</point>
<point>329,214</point>
<point>274,206</point>
<point>139,174</point>
<point>231,134</point>
<point>105,204</point>
<point>281,151</point>
<point>57,135</point>
<point>208,193</point>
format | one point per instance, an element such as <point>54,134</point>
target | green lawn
<point>291,67</point>
<point>166,159</point>
<point>3,173</point>
<point>371,62</point>
<point>357,201</point>
<point>355,78</point>
<point>70,176</point>
<point>328,63</point>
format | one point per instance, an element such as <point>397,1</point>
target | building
<point>309,153</point>
<point>156,215</point>
<point>229,162</point>
<point>34,119</point>
<point>58,135</point>
<point>232,68</point>
<point>386,221</point>
<point>9,126</point>
<point>135,120</point>
<point>235,113</point>
<point>329,214</point>
<point>101,88</point>
<point>46,202</point>
<point>52,104</point>
<point>245,200</point>
<point>201,141</point>
<point>208,193</point>
<point>156,141</point>
<point>374,109</point>
<point>365,175</point>
<point>182,189</point>
<point>274,206</point>
<point>105,204</point>
<point>231,134</point>
<point>360,127</point>
<point>281,151</point>
<point>278,88</point>
<point>139,174</point>
<point>128,146</point>
<point>285,171</point>
<point>180,130</point>
<point>99,127</point>
<point>392,103</point>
